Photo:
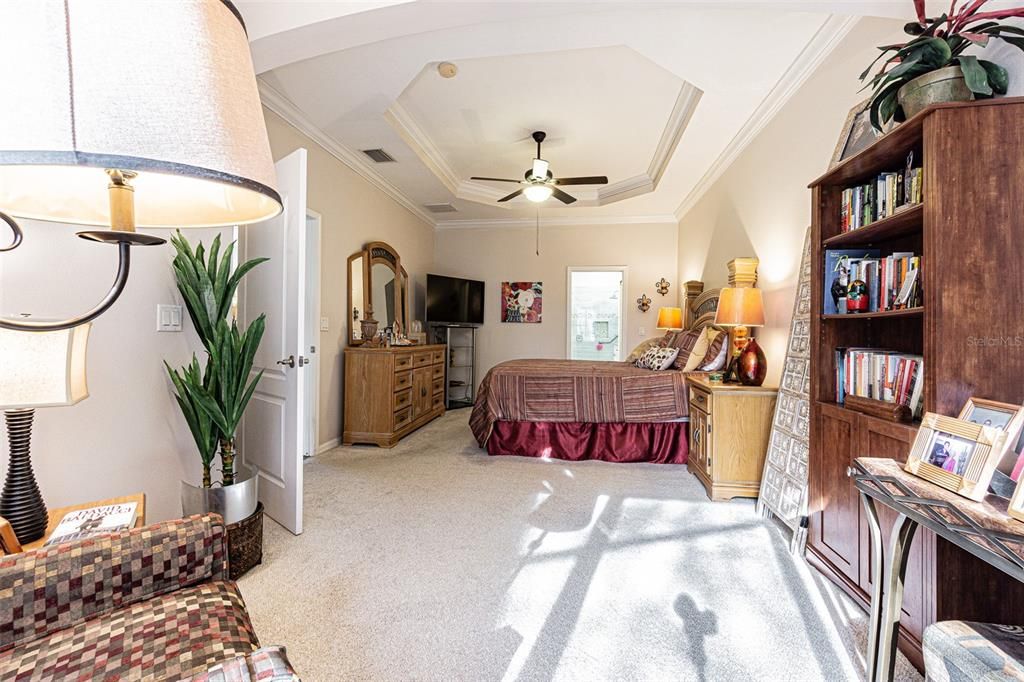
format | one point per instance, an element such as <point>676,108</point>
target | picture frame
<point>957,455</point>
<point>1006,417</point>
<point>1016,508</point>
<point>856,135</point>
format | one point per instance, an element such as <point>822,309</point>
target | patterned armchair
<point>151,603</point>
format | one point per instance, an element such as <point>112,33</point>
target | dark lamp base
<point>21,504</point>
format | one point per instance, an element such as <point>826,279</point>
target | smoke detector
<point>447,70</point>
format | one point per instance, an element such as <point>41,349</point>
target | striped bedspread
<point>576,391</point>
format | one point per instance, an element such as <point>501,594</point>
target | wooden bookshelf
<point>972,255</point>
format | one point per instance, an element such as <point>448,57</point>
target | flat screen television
<point>451,300</point>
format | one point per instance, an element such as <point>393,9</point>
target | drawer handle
<point>700,399</point>
<point>423,392</point>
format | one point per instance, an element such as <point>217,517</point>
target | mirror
<point>378,286</point>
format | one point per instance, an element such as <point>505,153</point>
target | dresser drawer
<point>438,386</point>
<point>403,361</point>
<point>422,359</point>
<point>437,372</point>
<point>437,357</point>
<point>403,399</point>
<point>437,401</point>
<point>403,380</point>
<point>402,418</point>
<point>700,399</point>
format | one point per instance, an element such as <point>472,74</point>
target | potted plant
<point>213,398</point>
<point>932,66</point>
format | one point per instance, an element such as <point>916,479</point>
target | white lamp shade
<point>164,89</point>
<point>43,369</point>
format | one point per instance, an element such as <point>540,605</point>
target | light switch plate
<point>642,331</point>
<point>168,318</point>
<point>324,324</point>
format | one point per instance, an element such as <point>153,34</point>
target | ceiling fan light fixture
<point>538,193</point>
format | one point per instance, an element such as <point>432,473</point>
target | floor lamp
<point>37,369</point>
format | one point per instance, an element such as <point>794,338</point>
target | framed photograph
<point>955,454</point>
<point>1003,416</point>
<point>857,133</point>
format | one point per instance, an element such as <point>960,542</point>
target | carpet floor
<point>433,561</point>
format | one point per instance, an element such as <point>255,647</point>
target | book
<point>884,196</point>
<point>87,523</point>
<point>880,374</point>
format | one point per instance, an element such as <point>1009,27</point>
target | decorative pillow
<point>718,350</point>
<point>685,342</point>
<point>657,358</point>
<point>642,348</point>
<point>696,359</point>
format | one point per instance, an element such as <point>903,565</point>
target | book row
<point>886,195</point>
<point>879,374</point>
<point>864,281</point>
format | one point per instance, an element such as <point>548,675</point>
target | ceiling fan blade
<point>496,179</point>
<point>562,196</point>
<point>512,196</point>
<point>587,180</point>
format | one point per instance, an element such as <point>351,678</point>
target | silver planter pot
<point>234,502</point>
<point>942,85</point>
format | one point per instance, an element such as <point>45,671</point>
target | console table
<point>981,528</point>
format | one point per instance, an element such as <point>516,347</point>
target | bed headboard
<point>700,305</point>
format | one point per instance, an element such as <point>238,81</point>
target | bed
<point>581,410</point>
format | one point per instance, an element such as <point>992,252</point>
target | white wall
<point>128,436</point>
<point>507,254</point>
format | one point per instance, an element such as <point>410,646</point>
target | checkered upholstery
<point>151,603</point>
<point>960,651</point>
<point>269,664</point>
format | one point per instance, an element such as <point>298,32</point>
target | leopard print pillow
<point>657,358</point>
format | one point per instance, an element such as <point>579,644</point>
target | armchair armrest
<point>53,588</point>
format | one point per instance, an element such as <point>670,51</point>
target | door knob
<point>289,361</point>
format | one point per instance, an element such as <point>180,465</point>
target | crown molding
<point>283,107</point>
<point>820,46</point>
<point>561,221</point>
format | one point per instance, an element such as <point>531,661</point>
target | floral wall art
<point>522,301</point>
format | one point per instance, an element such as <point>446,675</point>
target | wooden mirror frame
<point>377,253</point>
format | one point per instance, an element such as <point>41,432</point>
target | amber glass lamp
<point>670,319</point>
<point>739,309</point>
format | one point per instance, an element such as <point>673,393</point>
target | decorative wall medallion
<point>784,483</point>
<point>662,285</point>
<point>643,303</point>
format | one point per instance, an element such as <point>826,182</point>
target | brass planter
<point>942,85</point>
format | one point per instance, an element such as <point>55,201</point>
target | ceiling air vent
<point>379,155</point>
<point>440,208</point>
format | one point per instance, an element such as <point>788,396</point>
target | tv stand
<point>460,363</point>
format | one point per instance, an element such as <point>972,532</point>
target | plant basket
<point>245,544</point>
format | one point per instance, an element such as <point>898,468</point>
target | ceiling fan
<point>539,184</point>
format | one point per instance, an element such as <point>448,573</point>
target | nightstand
<point>729,429</point>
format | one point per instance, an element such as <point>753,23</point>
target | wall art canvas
<point>784,483</point>
<point>522,301</point>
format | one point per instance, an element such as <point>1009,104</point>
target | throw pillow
<point>685,342</point>
<point>718,350</point>
<point>642,348</point>
<point>700,349</point>
<point>657,358</point>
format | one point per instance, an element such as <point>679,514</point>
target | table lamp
<point>125,114</point>
<point>740,308</point>
<point>670,319</point>
<point>37,369</point>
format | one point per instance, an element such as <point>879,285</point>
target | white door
<point>272,431</point>
<point>597,312</point>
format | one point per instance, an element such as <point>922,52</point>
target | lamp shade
<point>740,307</point>
<point>162,89</point>
<point>43,369</point>
<point>670,318</point>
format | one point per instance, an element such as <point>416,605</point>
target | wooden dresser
<point>391,392</point>
<point>729,428</point>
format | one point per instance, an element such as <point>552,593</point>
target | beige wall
<point>507,254</point>
<point>760,206</point>
<point>353,212</point>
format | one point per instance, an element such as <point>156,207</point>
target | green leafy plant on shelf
<point>938,43</point>
<point>213,398</point>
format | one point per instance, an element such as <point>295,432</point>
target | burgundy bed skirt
<point>661,442</point>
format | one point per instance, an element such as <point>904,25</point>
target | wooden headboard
<point>700,305</point>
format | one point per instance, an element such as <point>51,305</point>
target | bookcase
<point>969,230</point>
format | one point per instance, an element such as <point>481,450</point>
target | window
<point>596,313</point>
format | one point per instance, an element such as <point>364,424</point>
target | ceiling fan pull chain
<point>537,246</point>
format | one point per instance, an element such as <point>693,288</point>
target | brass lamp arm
<point>124,263</point>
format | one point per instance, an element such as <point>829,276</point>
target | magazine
<point>87,523</point>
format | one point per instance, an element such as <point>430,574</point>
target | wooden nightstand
<point>729,429</point>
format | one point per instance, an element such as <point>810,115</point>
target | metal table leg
<point>875,622</point>
<point>899,551</point>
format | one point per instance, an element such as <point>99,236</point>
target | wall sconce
<point>111,99</point>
